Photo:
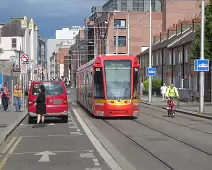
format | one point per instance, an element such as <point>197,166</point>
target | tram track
<point>174,138</point>
<point>208,133</point>
<point>176,115</point>
<point>141,147</point>
<point>158,131</point>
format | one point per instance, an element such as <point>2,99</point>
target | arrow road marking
<point>45,156</point>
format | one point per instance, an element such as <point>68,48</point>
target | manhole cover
<point>3,125</point>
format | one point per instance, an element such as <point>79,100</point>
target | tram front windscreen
<point>118,78</point>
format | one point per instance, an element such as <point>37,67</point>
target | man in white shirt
<point>163,90</point>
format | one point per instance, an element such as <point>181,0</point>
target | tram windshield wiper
<point>111,93</point>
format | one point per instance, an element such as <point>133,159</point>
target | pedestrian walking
<point>5,97</point>
<point>163,91</point>
<point>17,97</point>
<point>41,107</point>
<point>142,89</point>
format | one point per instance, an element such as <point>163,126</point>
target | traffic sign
<point>23,67</point>
<point>25,58</point>
<point>201,65</point>
<point>150,71</point>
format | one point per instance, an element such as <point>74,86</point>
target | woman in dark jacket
<point>41,106</point>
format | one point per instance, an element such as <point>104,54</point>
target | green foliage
<point>195,49</point>
<point>156,84</point>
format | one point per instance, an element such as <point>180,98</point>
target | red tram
<point>108,86</point>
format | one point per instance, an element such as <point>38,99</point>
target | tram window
<point>136,84</point>
<point>98,85</point>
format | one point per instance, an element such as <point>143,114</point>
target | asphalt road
<point>153,141</point>
<point>57,146</point>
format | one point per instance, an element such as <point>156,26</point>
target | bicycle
<point>171,109</point>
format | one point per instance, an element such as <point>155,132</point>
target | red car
<point>56,100</point>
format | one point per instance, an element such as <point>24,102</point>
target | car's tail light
<point>30,102</point>
<point>65,101</point>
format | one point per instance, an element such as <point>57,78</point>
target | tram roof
<point>91,62</point>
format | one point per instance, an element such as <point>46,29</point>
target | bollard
<point>154,94</point>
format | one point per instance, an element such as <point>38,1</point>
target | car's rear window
<point>52,89</point>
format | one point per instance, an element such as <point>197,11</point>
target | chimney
<point>156,38</point>
<point>196,22</point>
<point>179,27</point>
<point>186,23</point>
<point>172,30</point>
<point>164,35</point>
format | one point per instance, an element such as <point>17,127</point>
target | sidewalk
<point>184,107</point>
<point>9,121</point>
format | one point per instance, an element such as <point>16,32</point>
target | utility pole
<point>54,64</point>
<point>150,49</point>
<point>128,32</point>
<point>201,101</point>
<point>2,72</point>
<point>117,36</point>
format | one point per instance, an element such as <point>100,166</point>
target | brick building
<point>171,57</point>
<point>110,25</point>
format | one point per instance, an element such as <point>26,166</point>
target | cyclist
<point>172,92</point>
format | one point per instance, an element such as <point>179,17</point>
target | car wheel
<point>30,120</point>
<point>65,119</point>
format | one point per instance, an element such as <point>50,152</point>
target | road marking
<point>80,151</point>
<point>76,133</point>
<point>78,130</point>
<point>96,162</point>
<point>119,158</point>
<point>8,145</point>
<point>87,155</point>
<point>3,162</point>
<point>73,127</point>
<point>102,151</point>
<point>45,156</point>
<point>51,124</point>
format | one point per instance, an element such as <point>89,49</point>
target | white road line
<point>96,162</point>
<point>102,151</point>
<point>73,127</point>
<point>76,133</point>
<point>78,130</point>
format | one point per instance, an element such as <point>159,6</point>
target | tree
<point>195,49</point>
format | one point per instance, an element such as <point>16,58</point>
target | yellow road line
<point>3,162</point>
<point>8,145</point>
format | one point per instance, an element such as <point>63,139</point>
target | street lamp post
<point>150,49</point>
<point>201,101</point>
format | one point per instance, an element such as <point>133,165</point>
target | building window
<point>14,45</point>
<point>123,5</point>
<point>120,23</point>
<point>121,41</point>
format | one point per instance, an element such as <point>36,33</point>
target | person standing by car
<point>5,97</point>
<point>18,97</point>
<point>41,106</point>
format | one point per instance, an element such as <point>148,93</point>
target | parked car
<point>56,100</point>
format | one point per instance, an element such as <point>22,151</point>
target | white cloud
<point>46,8</point>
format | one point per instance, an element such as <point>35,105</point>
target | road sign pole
<point>201,98</point>
<point>150,49</point>
<point>2,73</point>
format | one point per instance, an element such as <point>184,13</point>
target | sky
<point>49,15</point>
